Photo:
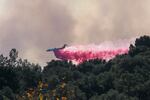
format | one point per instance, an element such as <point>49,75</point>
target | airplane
<point>55,49</point>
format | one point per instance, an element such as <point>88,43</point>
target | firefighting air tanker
<point>79,54</point>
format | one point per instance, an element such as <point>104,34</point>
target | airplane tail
<point>64,46</point>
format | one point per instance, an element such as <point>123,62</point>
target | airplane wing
<point>54,49</point>
<point>51,49</point>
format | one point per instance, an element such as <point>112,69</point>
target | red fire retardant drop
<point>78,54</point>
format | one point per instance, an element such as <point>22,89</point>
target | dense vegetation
<point>126,77</point>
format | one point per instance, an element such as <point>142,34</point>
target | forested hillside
<point>126,77</point>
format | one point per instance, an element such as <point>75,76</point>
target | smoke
<point>35,25</point>
<point>32,27</point>
<point>103,20</point>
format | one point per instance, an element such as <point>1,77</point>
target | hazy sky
<point>32,26</point>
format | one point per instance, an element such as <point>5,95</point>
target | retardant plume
<point>80,53</point>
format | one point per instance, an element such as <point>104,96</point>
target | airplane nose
<point>47,50</point>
